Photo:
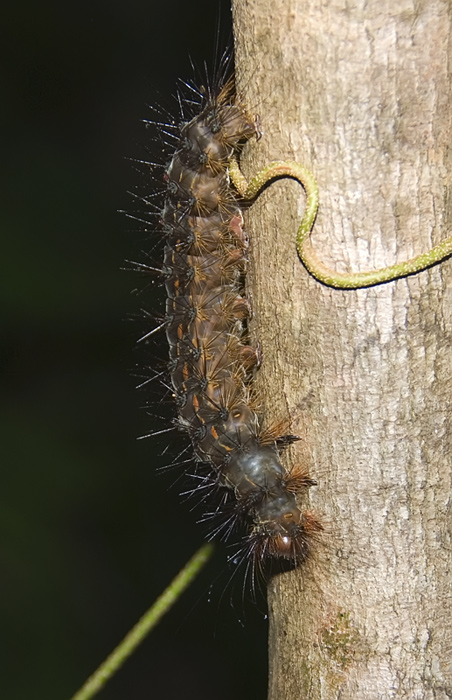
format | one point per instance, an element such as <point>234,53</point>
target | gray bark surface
<point>360,93</point>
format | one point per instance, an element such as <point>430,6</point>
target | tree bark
<point>360,93</point>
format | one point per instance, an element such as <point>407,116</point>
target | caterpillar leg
<point>329,276</point>
<point>250,357</point>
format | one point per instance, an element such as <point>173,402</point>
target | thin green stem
<point>149,620</point>
<point>329,276</point>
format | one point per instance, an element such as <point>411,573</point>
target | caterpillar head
<point>289,535</point>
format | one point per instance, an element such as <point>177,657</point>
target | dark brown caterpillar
<point>210,358</point>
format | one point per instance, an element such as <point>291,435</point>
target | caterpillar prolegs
<point>211,360</point>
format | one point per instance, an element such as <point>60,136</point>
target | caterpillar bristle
<point>276,432</point>
<point>298,479</point>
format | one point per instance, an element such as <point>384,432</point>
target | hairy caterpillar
<point>237,462</point>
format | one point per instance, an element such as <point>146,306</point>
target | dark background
<point>90,532</point>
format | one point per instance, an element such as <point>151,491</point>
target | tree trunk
<point>360,93</point>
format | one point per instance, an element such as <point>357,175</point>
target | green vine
<point>149,620</point>
<point>329,276</point>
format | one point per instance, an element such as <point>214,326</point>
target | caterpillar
<point>211,360</point>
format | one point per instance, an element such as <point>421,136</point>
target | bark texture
<point>361,94</point>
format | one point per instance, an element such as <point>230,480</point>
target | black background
<point>90,533</point>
